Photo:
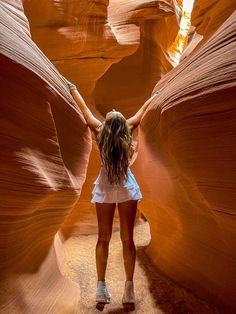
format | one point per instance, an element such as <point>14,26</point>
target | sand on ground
<point>154,292</point>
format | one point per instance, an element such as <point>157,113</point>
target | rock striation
<point>206,18</point>
<point>77,38</point>
<point>45,146</point>
<point>186,168</point>
<point>84,38</point>
<point>127,84</point>
<point>115,52</point>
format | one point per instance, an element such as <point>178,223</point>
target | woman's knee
<point>127,241</point>
<point>104,238</point>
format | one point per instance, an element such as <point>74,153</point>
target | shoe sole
<point>128,307</point>
<point>100,306</point>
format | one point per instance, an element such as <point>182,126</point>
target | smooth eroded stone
<point>206,18</point>
<point>45,145</point>
<point>186,168</point>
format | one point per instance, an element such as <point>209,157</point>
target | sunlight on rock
<point>119,53</point>
<point>177,48</point>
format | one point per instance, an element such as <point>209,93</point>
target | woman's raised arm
<point>92,122</point>
<point>134,121</point>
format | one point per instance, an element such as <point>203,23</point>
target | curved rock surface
<point>45,145</point>
<point>127,84</point>
<point>84,38</point>
<point>186,168</point>
<point>78,39</point>
<point>186,163</point>
<point>207,17</point>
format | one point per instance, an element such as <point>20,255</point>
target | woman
<point>115,185</point>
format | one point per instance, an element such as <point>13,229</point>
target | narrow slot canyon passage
<point>154,292</point>
<point>169,67</point>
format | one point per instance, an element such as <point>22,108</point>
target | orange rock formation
<point>84,38</point>
<point>207,17</point>
<point>186,167</point>
<point>44,154</point>
<point>186,155</point>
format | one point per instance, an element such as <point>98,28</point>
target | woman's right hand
<point>71,85</point>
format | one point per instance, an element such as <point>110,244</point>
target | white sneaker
<point>128,296</point>
<point>102,294</point>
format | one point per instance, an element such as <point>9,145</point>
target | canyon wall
<point>127,84</point>
<point>84,38</point>
<point>186,168</point>
<point>186,162</point>
<point>206,18</point>
<point>78,39</point>
<point>45,146</point>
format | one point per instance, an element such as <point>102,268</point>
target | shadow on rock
<point>168,296</point>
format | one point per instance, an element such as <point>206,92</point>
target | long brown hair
<point>114,141</point>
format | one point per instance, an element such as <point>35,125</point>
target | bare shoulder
<point>129,123</point>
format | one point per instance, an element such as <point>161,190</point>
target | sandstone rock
<point>186,168</point>
<point>77,38</point>
<point>84,38</point>
<point>127,84</point>
<point>45,145</point>
<point>187,153</point>
<point>193,39</point>
<point>208,16</point>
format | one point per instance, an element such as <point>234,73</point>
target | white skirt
<point>105,192</point>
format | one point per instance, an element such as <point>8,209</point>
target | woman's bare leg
<point>127,212</point>
<point>105,214</point>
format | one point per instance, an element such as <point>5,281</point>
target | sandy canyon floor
<point>154,292</point>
